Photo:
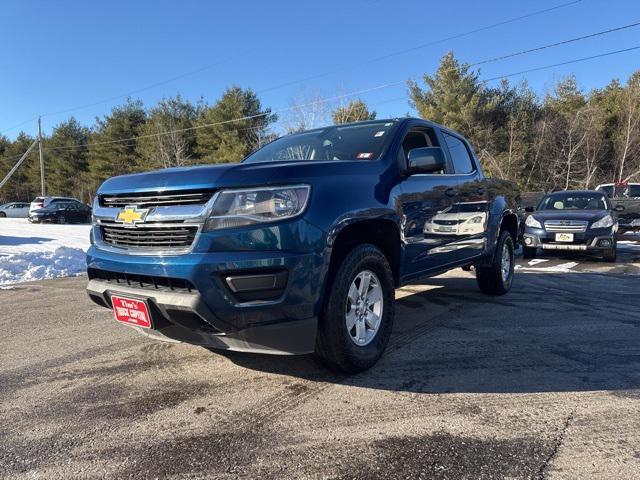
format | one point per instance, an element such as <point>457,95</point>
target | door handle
<point>450,192</point>
<point>480,191</point>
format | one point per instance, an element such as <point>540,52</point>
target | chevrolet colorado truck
<point>299,248</point>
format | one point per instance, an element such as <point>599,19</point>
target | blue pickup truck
<point>300,247</point>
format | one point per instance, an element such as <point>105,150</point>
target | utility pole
<point>42,192</point>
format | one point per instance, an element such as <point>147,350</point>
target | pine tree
<point>168,138</point>
<point>66,160</point>
<point>24,184</point>
<point>111,156</point>
<point>230,139</point>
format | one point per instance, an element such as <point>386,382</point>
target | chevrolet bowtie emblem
<point>132,215</point>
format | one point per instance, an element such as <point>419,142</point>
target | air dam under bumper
<point>183,317</point>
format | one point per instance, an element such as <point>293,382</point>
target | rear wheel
<point>61,219</point>
<point>496,279</point>
<point>529,252</point>
<point>358,315</point>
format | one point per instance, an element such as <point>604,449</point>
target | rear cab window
<point>460,155</point>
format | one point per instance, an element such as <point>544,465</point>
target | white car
<point>14,210</point>
<point>42,202</point>
<point>625,190</point>
<point>467,218</point>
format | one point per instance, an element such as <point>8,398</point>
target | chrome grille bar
<point>561,226</point>
<point>149,237</point>
<point>156,199</point>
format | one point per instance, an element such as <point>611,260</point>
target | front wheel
<point>358,315</point>
<point>529,252</point>
<point>496,279</point>
<point>62,220</point>
<point>3,215</point>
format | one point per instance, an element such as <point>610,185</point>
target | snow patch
<point>37,251</point>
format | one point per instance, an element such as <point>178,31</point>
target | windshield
<point>574,201</point>
<point>362,141</point>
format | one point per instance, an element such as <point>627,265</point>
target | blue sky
<point>60,55</point>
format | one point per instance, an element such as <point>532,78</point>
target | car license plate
<point>564,237</point>
<point>131,311</point>
<point>446,229</point>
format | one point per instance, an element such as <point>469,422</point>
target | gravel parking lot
<point>541,383</point>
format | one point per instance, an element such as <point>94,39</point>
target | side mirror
<point>529,209</point>
<point>619,208</point>
<point>425,160</point>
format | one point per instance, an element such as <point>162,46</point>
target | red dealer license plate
<point>131,311</point>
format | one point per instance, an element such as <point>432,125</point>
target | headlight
<point>477,219</point>
<point>532,222</point>
<point>604,222</point>
<point>238,208</point>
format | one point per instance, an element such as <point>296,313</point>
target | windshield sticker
<point>388,124</point>
<point>365,155</point>
<point>379,134</point>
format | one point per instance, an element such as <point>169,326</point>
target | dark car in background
<point>572,221</point>
<point>71,211</point>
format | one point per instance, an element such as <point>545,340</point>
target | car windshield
<point>362,141</point>
<point>574,201</point>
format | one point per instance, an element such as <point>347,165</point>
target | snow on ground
<point>36,251</point>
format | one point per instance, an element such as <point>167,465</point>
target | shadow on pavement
<point>557,332</point>
<point>14,241</point>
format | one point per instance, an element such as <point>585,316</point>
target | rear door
<point>471,205</point>
<point>424,203</point>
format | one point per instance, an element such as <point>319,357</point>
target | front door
<point>425,202</point>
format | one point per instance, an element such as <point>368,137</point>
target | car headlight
<point>476,219</point>
<point>239,208</point>
<point>532,222</point>
<point>604,222</point>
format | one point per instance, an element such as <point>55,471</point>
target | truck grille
<point>561,226</point>
<point>156,199</point>
<point>151,236</point>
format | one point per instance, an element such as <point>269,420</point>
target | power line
<point>368,90</point>
<point>421,46</point>
<point>351,66</point>
<point>130,93</point>
<point>148,87</point>
<point>568,62</point>
<point>18,125</point>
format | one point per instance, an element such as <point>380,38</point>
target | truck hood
<point>585,215</point>
<point>225,176</point>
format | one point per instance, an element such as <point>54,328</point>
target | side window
<point>462,162</point>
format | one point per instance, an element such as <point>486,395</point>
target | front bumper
<point>591,240</point>
<point>204,303</point>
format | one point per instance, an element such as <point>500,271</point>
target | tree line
<point>566,138</point>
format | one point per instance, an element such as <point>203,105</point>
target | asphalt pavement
<point>541,383</point>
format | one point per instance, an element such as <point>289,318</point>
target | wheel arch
<point>383,233</point>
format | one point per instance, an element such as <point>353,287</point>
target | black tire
<point>61,220</point>
<point>334,345</point>
<point>610,254</point>
<point>529,252</point>
<point>490,278</point>
<point>3,215</point>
